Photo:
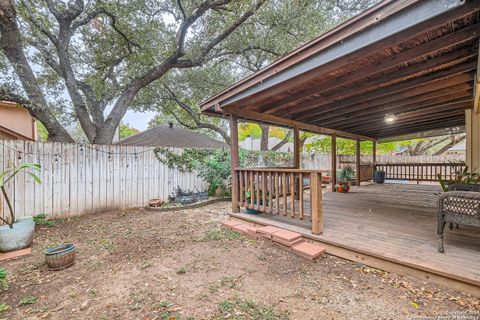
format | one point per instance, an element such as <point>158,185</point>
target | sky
<point>138,120</point>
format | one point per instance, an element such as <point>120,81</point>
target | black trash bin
<point>379,177</point>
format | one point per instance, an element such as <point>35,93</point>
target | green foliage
<point>3,280</point>
<point>4,307</point>
<point>126,131</point>
<point>41,220</point>
<point>345,174</point>
<point>42,132</point>
<point>214,166</point>
<point>461,177</point>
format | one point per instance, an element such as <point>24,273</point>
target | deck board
<point>396,222</point>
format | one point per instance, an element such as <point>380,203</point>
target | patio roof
<point>413,61</point>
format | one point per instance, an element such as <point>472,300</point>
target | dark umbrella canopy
<point>171,136</point>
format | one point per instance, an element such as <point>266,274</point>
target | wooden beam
<point>476,88</point>
<point>370,83</point>
<point>296,148</point>
<point>235,160</point>
<point>374,152</point>
<point>357,161</point>
<point>261,117</point>
<point>334,162</point>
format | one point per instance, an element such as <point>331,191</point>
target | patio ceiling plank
<point>400,105</point>
<point>428,114</point>
<point>463,98</point>
<point>419,69</point>
<point>460,73</point>
<point>449,121</point>
<point>426,91</point>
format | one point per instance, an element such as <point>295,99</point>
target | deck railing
<point>419,171</point>
<point>281,192</point>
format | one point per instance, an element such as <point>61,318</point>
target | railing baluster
<point>264,192</point>
<point>284,191</point>
<point>240,176</point>
<point>277,193</point>
<point>300,196</point>
<point>252,188</point>
<point>292,194</point>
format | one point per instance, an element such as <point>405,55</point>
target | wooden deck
<point>393,222</point>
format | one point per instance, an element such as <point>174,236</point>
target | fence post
<point>316,202</point>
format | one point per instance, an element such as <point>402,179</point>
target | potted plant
<point>344,178</point>
<point>16,234</point>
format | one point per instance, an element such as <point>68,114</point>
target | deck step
<point>287,238</point>
<point>267,231</point>
<point>282,238</point>
<point>308,250</point>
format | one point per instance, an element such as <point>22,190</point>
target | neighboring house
<point>458,149</point>
<point>172,136</point>
<point>16,123</point>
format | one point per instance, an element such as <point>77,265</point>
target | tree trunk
<point>264,139</point>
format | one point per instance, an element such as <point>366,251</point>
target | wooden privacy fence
<point>419,171</point>
<point>83,179</point>
<point>292,193</point>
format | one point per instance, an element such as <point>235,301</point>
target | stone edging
<point>190,206</point>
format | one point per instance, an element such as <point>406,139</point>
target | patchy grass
<point>3,280</point>
<point>181,270</point>
<point>248,309</point>
<point>4,307</point>
<point>41,220</point>
<point>27,300</point>
<point>218,234</point>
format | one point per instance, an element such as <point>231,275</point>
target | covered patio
<point>402,68</point>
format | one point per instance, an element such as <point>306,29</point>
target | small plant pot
<point>60,257</point>
<point>18,237</point>
<point>254,211</point>
<point>342,187</point>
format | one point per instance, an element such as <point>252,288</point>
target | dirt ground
<point>181,265</point>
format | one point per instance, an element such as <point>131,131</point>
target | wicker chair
<point>460,205</point>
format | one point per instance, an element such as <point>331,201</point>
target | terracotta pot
<point>60,257</point>
<point>342,187</point>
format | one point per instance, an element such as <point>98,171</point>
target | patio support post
<point>234,161</point>
<point>374,153</point>
<point>296,148</point>
<point>357,159</point>
<point>472,128</point>
<point>334,162</point>
<point>316,202</point>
